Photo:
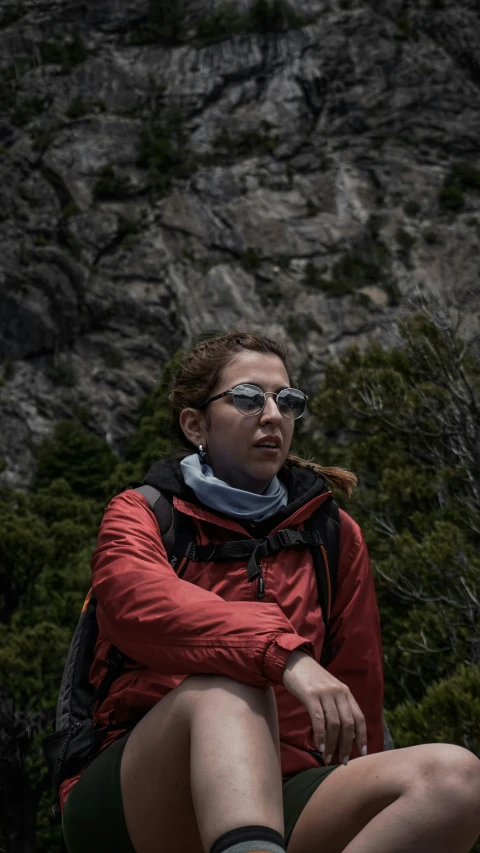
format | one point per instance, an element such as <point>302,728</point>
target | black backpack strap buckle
<point>116,659</point>
<point>190,552</point>
<point>291,538</point>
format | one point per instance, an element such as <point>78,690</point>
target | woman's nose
<point>271,412</point>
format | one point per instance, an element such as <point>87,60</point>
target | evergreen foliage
<point>68,54</point>
<point>263,16</point>
<point>165,24</point>
<point>110,185</point>
<point>164,151</point>
<point>449,712</point>
<point>461,178</point>
<point>407,422</point>
<point>80,455</point>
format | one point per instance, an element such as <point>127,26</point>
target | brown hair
<point>201,369</point>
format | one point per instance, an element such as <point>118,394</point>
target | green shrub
<point>264,16</point>
<point>268,16</point>
<point>67,54</point>
<point>283,261</point>
<point>9,77</point>
<point>224,23</point>
<point>8,370</point>
<point>405,240</point>
<point>412,207</point>
<point>78,107</point>
<point>70,209</point>
<point>77,455</point>
<point>430,236</point>
<point>392,290</point>
<point>366,264</point>
<point>462,178</point>
<point>269,293</point>
<point>110,186</point>
<point>465,176</point>
<point>451,198</point>
<point>448,713</point>
<point>298,327</point>
<point>313,279</point>
<point>165,24</point>
<point>353,271</point>
<point>164,151</point>
<point>63,372</point>
<point>251,259</point>
<point>26,109</point>
<point>127,226</point>
<point>406,30</point>
<point>248,144</point>
<point>12,13</point>
<point>41,139</point>
<point>113,358</point>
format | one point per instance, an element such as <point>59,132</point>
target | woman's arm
<point>170,624</point>
<point>355,641</point>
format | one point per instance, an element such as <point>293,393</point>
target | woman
<point>224,696</point>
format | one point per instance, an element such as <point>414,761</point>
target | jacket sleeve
<point>171,625</point>
<point>355,632</point>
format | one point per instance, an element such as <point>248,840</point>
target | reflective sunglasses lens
<point>291,403</point>
<point>248,399</point>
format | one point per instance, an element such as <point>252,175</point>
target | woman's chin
<point>264,472</point>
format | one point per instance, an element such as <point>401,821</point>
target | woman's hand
<point>332,708</point>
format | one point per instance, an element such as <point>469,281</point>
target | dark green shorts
<point>93,817</point>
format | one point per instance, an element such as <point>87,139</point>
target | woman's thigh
<point>349,798</point>
<point>155,778</point>
<point>211,736</point>
<point>137,794</point>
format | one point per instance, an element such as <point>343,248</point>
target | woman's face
<point>232,440</point>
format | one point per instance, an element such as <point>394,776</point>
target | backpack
<point>75,741</point>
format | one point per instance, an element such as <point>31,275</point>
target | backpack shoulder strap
<point>176,528</point>
<point>326,521</point>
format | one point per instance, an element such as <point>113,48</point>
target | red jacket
<point>210,621</point>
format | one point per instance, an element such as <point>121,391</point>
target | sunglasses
<point>250,400</point>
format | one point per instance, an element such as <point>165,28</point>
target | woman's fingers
<point>347,732</point>
<point>360,726</point>
<point>332,727</point>
<point>318,724</point>
<point>333,710</point>
<point>338,721</point>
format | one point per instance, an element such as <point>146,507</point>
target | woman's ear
<point>192,422</point>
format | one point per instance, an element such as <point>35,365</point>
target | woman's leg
<point>423,799</point>
<point>204,761</point>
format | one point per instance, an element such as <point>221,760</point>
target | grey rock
<point>229,169</point>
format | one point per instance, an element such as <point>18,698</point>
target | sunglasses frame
<point>251,385</point>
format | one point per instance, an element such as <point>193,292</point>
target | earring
<point>202,454</point>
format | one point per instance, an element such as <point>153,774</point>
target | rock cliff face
<point>170,167</point>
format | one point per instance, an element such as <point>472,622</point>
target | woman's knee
<point>452,773</point>
<point>204,695</point>
<point>228,693</point>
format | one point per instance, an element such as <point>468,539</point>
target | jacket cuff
<point>279,651</point>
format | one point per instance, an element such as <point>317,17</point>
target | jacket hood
<point>303,484</point>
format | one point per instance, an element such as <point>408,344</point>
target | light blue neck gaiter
<point>237,503</point>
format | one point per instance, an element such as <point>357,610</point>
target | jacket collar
<point>306,490</point>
